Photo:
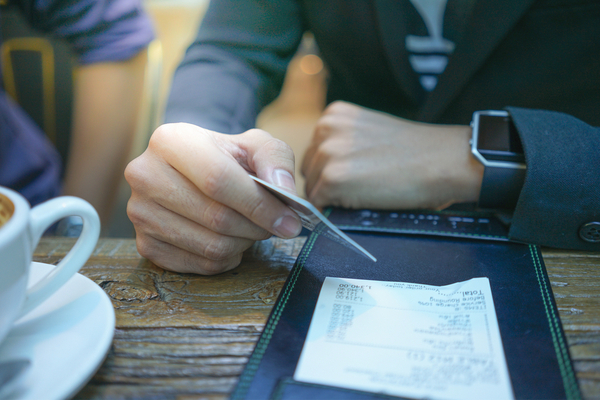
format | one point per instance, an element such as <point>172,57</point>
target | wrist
<point>458,174</point>
<point>471,171</point>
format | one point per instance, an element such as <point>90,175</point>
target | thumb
<point>274,162</point>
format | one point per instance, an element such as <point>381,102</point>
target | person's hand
<point>193,205</point>
<point>360,158</point>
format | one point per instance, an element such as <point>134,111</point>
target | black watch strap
<point>501,187</point>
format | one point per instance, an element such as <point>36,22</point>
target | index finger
<point>219,165</point>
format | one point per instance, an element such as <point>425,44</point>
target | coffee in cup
<point>21,228</point>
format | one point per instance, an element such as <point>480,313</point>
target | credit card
<point>312,219</point>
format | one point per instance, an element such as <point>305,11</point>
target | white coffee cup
<point>21,228</point>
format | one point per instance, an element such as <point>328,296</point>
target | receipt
<point>406,339</point>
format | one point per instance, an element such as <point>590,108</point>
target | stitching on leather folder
<point>265,338</point>
<point>418,231</point>
<point>560,347</point>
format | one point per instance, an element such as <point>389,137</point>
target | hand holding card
<point>312,219</point>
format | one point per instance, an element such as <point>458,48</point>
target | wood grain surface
<point>183,336</point>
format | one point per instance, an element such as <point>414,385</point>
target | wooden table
<point>181,336</point>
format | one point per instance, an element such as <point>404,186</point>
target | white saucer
<point>66,338</point>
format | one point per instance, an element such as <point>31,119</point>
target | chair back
<point>37,72</point>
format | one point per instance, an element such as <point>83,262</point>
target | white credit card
<point>312,219</point>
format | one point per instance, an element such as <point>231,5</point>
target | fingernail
<point>284,179</point>
<point>287,227</point>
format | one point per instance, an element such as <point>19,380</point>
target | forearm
<point>236,65</point>
<point>213,90</point>
<point>107,99</point>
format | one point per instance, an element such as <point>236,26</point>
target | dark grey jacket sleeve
<point>236,65</point>
<point>559,205</point>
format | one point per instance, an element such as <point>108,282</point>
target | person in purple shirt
<point>108,38</point>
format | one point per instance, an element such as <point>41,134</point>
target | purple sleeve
<point>29,163</point>
<point>98,30</point>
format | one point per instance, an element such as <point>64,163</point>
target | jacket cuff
<point>559,205</point>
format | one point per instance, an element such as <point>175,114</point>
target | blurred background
<point>291,117</point>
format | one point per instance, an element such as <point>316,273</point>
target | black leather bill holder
<point>430,248</point>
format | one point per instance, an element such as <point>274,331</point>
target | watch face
<point>497,138</point>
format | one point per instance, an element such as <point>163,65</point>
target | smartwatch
<point>496,144</point>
